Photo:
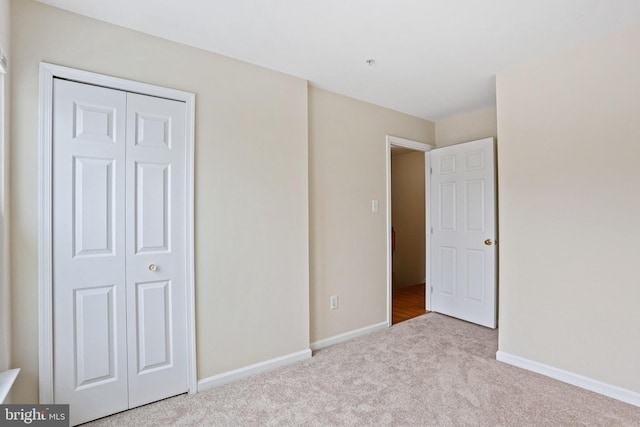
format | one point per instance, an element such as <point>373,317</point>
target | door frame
<point>417,146</point>
<point>45,209</point>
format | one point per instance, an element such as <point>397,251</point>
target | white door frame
<point>45,291</point>
<point>418,146</point>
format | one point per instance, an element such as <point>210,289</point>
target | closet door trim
<point>45,211</point>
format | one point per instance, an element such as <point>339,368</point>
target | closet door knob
<point>152,267</point>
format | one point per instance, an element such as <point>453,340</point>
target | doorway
<point>460,230</point>
<point>408,225</point>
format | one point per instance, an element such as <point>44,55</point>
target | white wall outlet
<point>333,302</point>
<point>375,206</point>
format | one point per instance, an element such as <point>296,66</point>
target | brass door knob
<point>488,242</point>
<point>152,267</point>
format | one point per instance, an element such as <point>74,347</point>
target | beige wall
<point>568,150</point>
<point>5,296</point>
<point>466,127</point>
<point>348,242</point>
<point>408,217</point>
<point>251,185</point>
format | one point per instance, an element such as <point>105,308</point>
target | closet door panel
<point>156,295</point>
<point>90,348</point>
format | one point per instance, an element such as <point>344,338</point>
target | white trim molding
<point>7,378</point>
<point>408,143</point>
<point>417,146</point>
<point>253,370</point>
<point>4,62</point>
<point>328,342</point>
<point>572,378</point>
<point>45,297</point>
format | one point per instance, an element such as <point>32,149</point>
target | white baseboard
<point>348,336</point>
<point>577,380</point>
<point>252,370</point>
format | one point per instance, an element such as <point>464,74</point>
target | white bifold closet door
<point>118,249</point>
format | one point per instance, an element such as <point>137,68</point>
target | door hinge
<point>431,287</point>
<point>431,171</point>
<point>431,230</point>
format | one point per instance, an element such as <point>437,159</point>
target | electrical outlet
<point>333,302</point>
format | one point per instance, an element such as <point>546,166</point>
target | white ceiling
<point>434,58</point>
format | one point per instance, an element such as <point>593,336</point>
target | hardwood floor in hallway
<point>407,303</point>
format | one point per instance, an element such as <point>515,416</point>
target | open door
<point>463,239</point>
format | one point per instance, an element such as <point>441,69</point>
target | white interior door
<point>156,304</point>
<point>463,241</point>
<point>90,359</point>
<point>119,331</point>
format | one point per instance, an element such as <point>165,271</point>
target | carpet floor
<point>429,371</point>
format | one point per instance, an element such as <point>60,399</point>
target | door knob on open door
<point>153,267</point>
<point>488,242</point>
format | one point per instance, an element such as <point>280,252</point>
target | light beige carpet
<point>432,370</point>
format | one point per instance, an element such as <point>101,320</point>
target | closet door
<point>89,294</point>
<point>119,260</point>
<point>156,303</point>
